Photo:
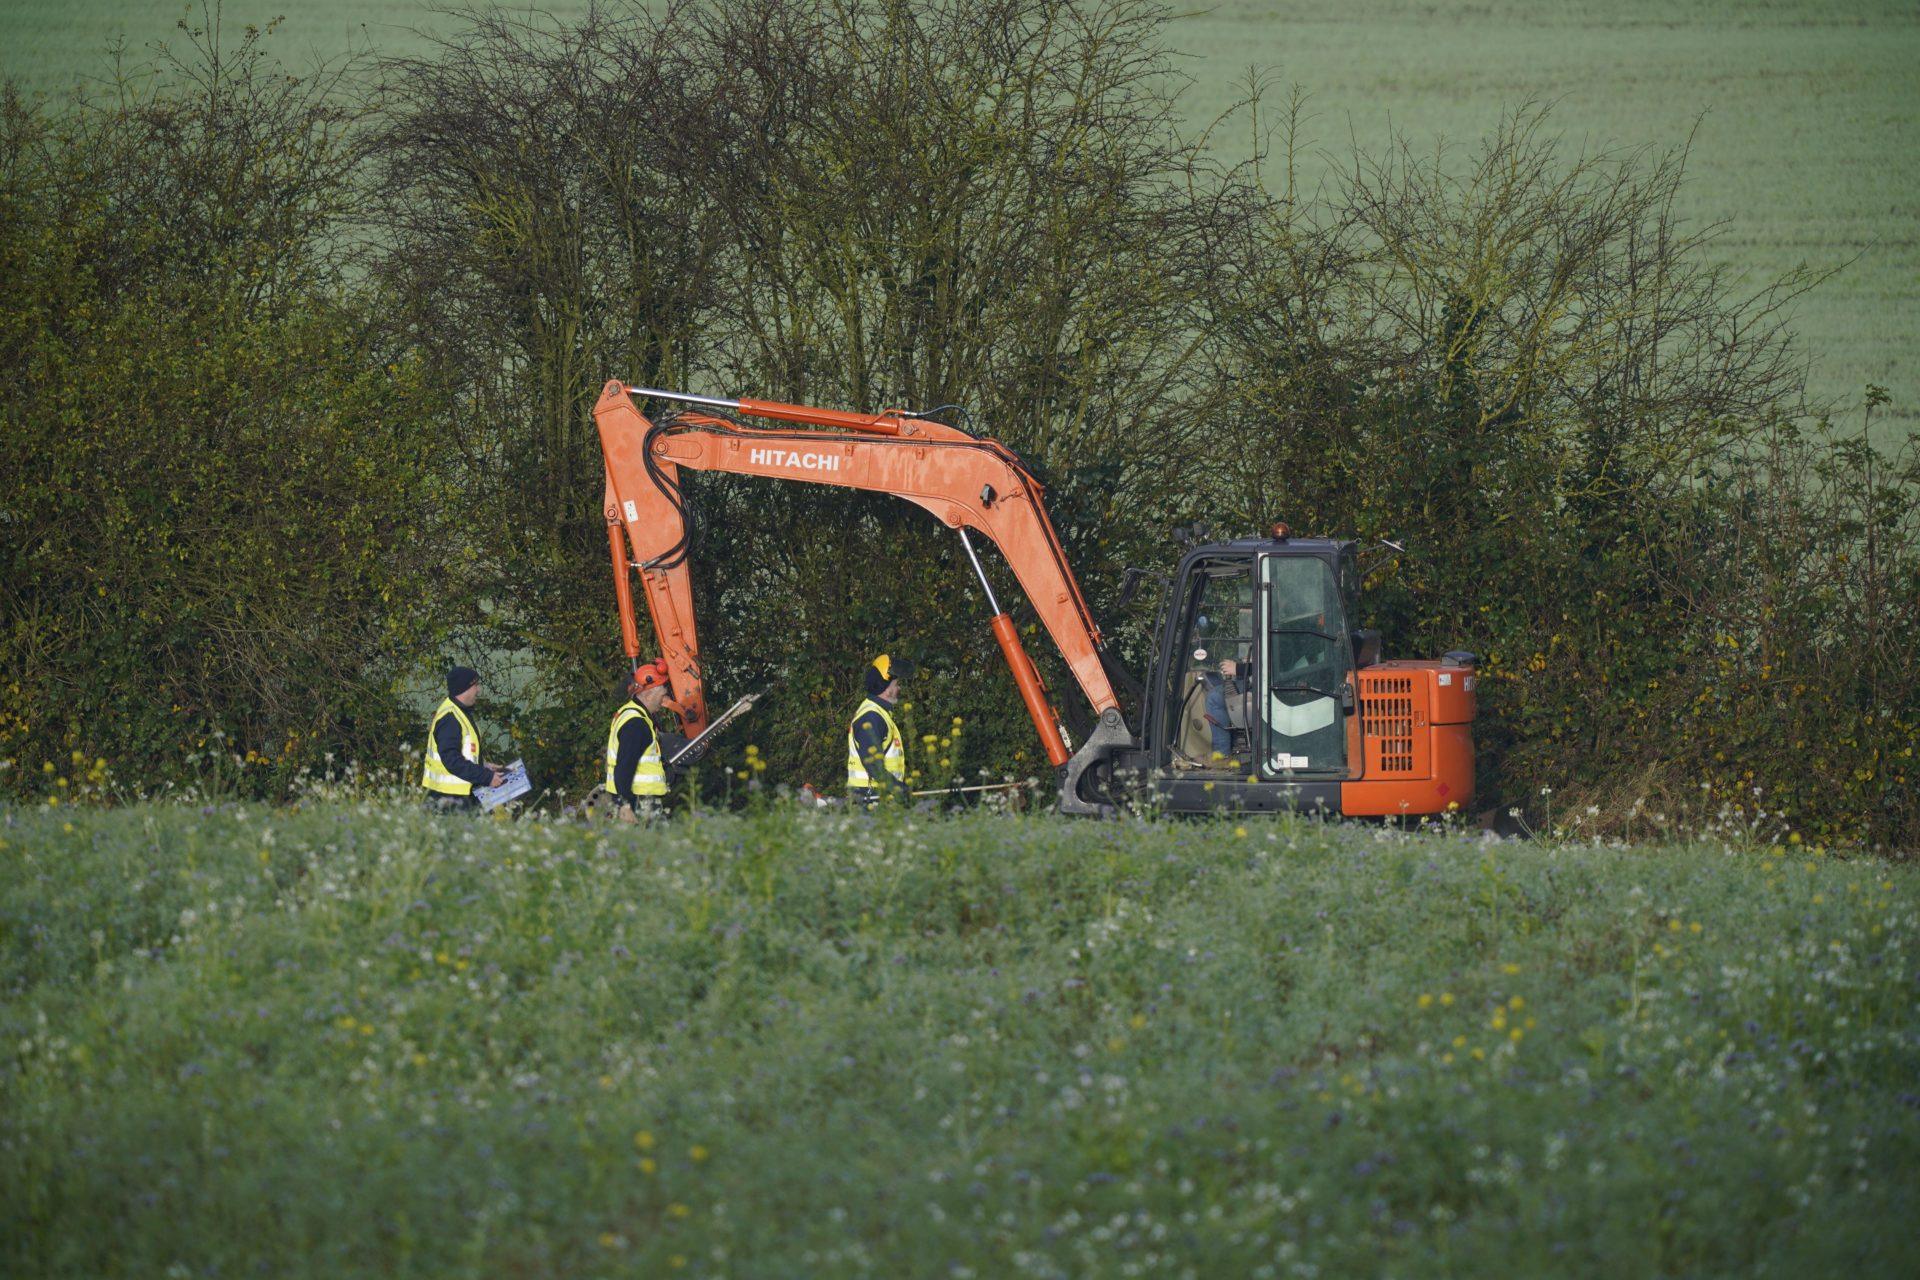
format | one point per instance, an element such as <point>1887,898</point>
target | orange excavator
<point>1264,695</point>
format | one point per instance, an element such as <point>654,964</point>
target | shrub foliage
<point>296,386</point>
<point>222,500</point>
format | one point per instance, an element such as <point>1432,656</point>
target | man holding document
<point>453,767</point>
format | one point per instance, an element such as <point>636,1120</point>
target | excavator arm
<point>965,481</point>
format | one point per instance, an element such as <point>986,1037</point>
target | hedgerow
<point>299,370</point>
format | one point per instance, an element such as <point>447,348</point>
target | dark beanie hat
<point>461,679</point>
<point>883,671</point>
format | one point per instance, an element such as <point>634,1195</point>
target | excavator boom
<point>965,481</point>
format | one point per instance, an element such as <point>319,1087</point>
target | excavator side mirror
<point>1366,647</point>
<point>1129,587</point>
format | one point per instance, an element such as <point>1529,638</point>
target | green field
<point>1806,150</point>
<point>347,1039</point>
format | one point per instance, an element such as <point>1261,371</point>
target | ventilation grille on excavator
<point>1387,725</point>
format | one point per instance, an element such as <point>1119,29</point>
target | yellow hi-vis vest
<point>436,776</point>
<point>894,760</point>
<point>649,776</point>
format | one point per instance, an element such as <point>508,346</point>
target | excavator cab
<point>1268,695</point>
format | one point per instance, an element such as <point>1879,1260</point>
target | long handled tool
<point>698,746</point>
<point>991,786</point>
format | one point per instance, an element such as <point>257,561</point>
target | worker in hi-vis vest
<point>636,773</point>
<point>453,765</point>
<point>876,753</point>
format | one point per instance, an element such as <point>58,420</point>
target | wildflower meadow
<point>345,1038</point>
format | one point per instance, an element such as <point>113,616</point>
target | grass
<point>1811,115</point>
<point>349,1039</point>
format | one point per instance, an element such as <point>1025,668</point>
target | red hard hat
<point>649,675</point>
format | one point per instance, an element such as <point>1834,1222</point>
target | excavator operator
<point>636,775</point>
<point>876,753</point>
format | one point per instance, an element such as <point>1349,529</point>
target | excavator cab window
<point>1304,667</point>
<point>1209,696</point>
